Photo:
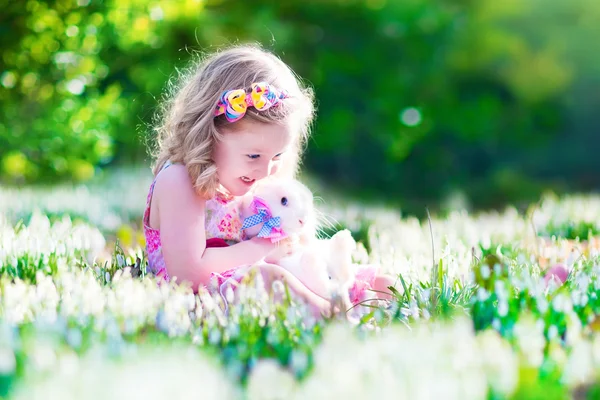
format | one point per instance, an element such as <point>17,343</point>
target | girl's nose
<point>264,170</point>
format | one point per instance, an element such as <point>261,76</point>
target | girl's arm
<point>182,232</point>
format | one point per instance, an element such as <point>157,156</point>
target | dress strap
<point>151,191</point>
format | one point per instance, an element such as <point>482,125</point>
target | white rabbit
<point>323,265</point>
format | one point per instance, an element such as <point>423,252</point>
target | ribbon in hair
<point>234,103</point>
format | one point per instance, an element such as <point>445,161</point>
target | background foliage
<point>417,99</point>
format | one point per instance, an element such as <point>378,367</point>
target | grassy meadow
<point>476,315</point>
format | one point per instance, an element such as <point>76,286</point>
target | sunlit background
<point>421,103</point>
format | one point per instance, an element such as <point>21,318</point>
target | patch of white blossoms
<point>41,239</point>
<point>148,373</point>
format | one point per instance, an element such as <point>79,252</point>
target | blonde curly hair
<point>187,129</point>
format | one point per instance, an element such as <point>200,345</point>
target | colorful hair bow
<point>234,103</point>
<point>271,228</point>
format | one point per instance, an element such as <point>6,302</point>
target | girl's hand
<point>283,248</point>
<point>273,252</point>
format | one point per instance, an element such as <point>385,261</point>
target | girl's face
<point>249,152</point>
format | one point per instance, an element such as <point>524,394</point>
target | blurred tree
<point>77,76</point>
<point>416,98</point>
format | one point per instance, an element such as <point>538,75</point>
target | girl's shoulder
<point>175,177</point>
<point>173,170</point>
<point>174,188</point>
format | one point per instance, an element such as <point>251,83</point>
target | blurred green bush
<point>416,98</point>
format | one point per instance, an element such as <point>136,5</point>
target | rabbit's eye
<point>284,201</point>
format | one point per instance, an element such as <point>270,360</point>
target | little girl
<point>237,118</point>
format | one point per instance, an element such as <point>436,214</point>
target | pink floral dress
<point>223,228</point>
<point>222,224</point>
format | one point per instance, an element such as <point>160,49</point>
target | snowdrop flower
<point>8,361</point>
<point>174,373</point>
<point>579,368</point>
<point>500,363</point>
<point>530,339</point>
<point>268,380</point>
<point>16,300</point>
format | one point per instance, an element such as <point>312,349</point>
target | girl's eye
<point>277,157</point>
<point>253,156</point>
<point>284,201</point>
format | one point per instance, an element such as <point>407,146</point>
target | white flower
<point>500,363</point>
<point>530,338</point>
<point>42,356</point>
<point>16,302</point>
<point>8,362</point>
<point>580,366</point>
<point>173,374</point>
<point>268,380</point>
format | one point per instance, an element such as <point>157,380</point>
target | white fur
<point>296,217</point>
<point>323,265</point>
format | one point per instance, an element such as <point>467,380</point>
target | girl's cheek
<point>274,169</point>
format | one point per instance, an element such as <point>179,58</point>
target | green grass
<point>470,309</point>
